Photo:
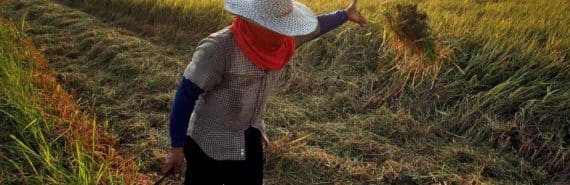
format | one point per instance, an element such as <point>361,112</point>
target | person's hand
<point>354,15</point>
<point>174,160</point>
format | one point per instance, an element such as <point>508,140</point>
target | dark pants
<point>203,170</point>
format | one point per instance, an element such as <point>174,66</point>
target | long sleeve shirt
<point>213,101</point>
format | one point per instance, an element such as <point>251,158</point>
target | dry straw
<point>406,30</point>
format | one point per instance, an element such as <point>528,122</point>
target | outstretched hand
<point>354,15</point>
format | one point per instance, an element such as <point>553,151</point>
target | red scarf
<point>266,49</point>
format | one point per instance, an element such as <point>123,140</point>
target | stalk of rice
<point>406,30</point>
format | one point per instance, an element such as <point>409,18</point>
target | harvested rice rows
<point>333,120</point>
<point>114,75</point>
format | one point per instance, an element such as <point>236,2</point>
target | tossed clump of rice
<point>406,30</point>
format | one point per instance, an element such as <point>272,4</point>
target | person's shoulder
<point>224,33</point>
<point>219,39</point>
<point>212,47</point>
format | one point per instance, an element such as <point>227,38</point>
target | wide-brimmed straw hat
<point>286,17</point>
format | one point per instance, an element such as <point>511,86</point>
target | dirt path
<point>116,76</point>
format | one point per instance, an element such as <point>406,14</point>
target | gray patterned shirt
<point>235,93</point>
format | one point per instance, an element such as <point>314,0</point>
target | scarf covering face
<point>266,49</point>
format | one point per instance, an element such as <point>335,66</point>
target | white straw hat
<point>286,17</point>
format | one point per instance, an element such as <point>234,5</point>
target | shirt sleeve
<point>204,73</point>
<point>331,21</point>
<point>327,22</point>
<point>207,67</point>
<point>183,106</point>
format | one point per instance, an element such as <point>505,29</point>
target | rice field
<point>45,139</point>
<point>351,108</point>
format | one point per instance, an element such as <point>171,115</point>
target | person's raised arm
<point>331,21</point>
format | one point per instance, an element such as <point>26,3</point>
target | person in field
<point>216,121</point>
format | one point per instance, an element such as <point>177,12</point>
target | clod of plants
<point>407,30</point>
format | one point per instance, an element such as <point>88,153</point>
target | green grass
<point>340,114</point>
<point>34,149</point>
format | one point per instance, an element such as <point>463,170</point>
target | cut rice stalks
<point>407,31</point>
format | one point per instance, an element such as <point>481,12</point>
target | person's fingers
<point>177,169</point>
<point>166,167</point>
<point>352,6</point>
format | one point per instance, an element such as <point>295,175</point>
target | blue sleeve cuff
<point>183,106</point>
<point>331,21</point>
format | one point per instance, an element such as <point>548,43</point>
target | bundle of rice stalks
<point>406,30</point>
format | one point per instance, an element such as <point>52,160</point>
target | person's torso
<point>222,114</point>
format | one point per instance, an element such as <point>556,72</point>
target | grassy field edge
<point>46,140</point>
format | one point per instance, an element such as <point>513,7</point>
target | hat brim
<point>301,21</point>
